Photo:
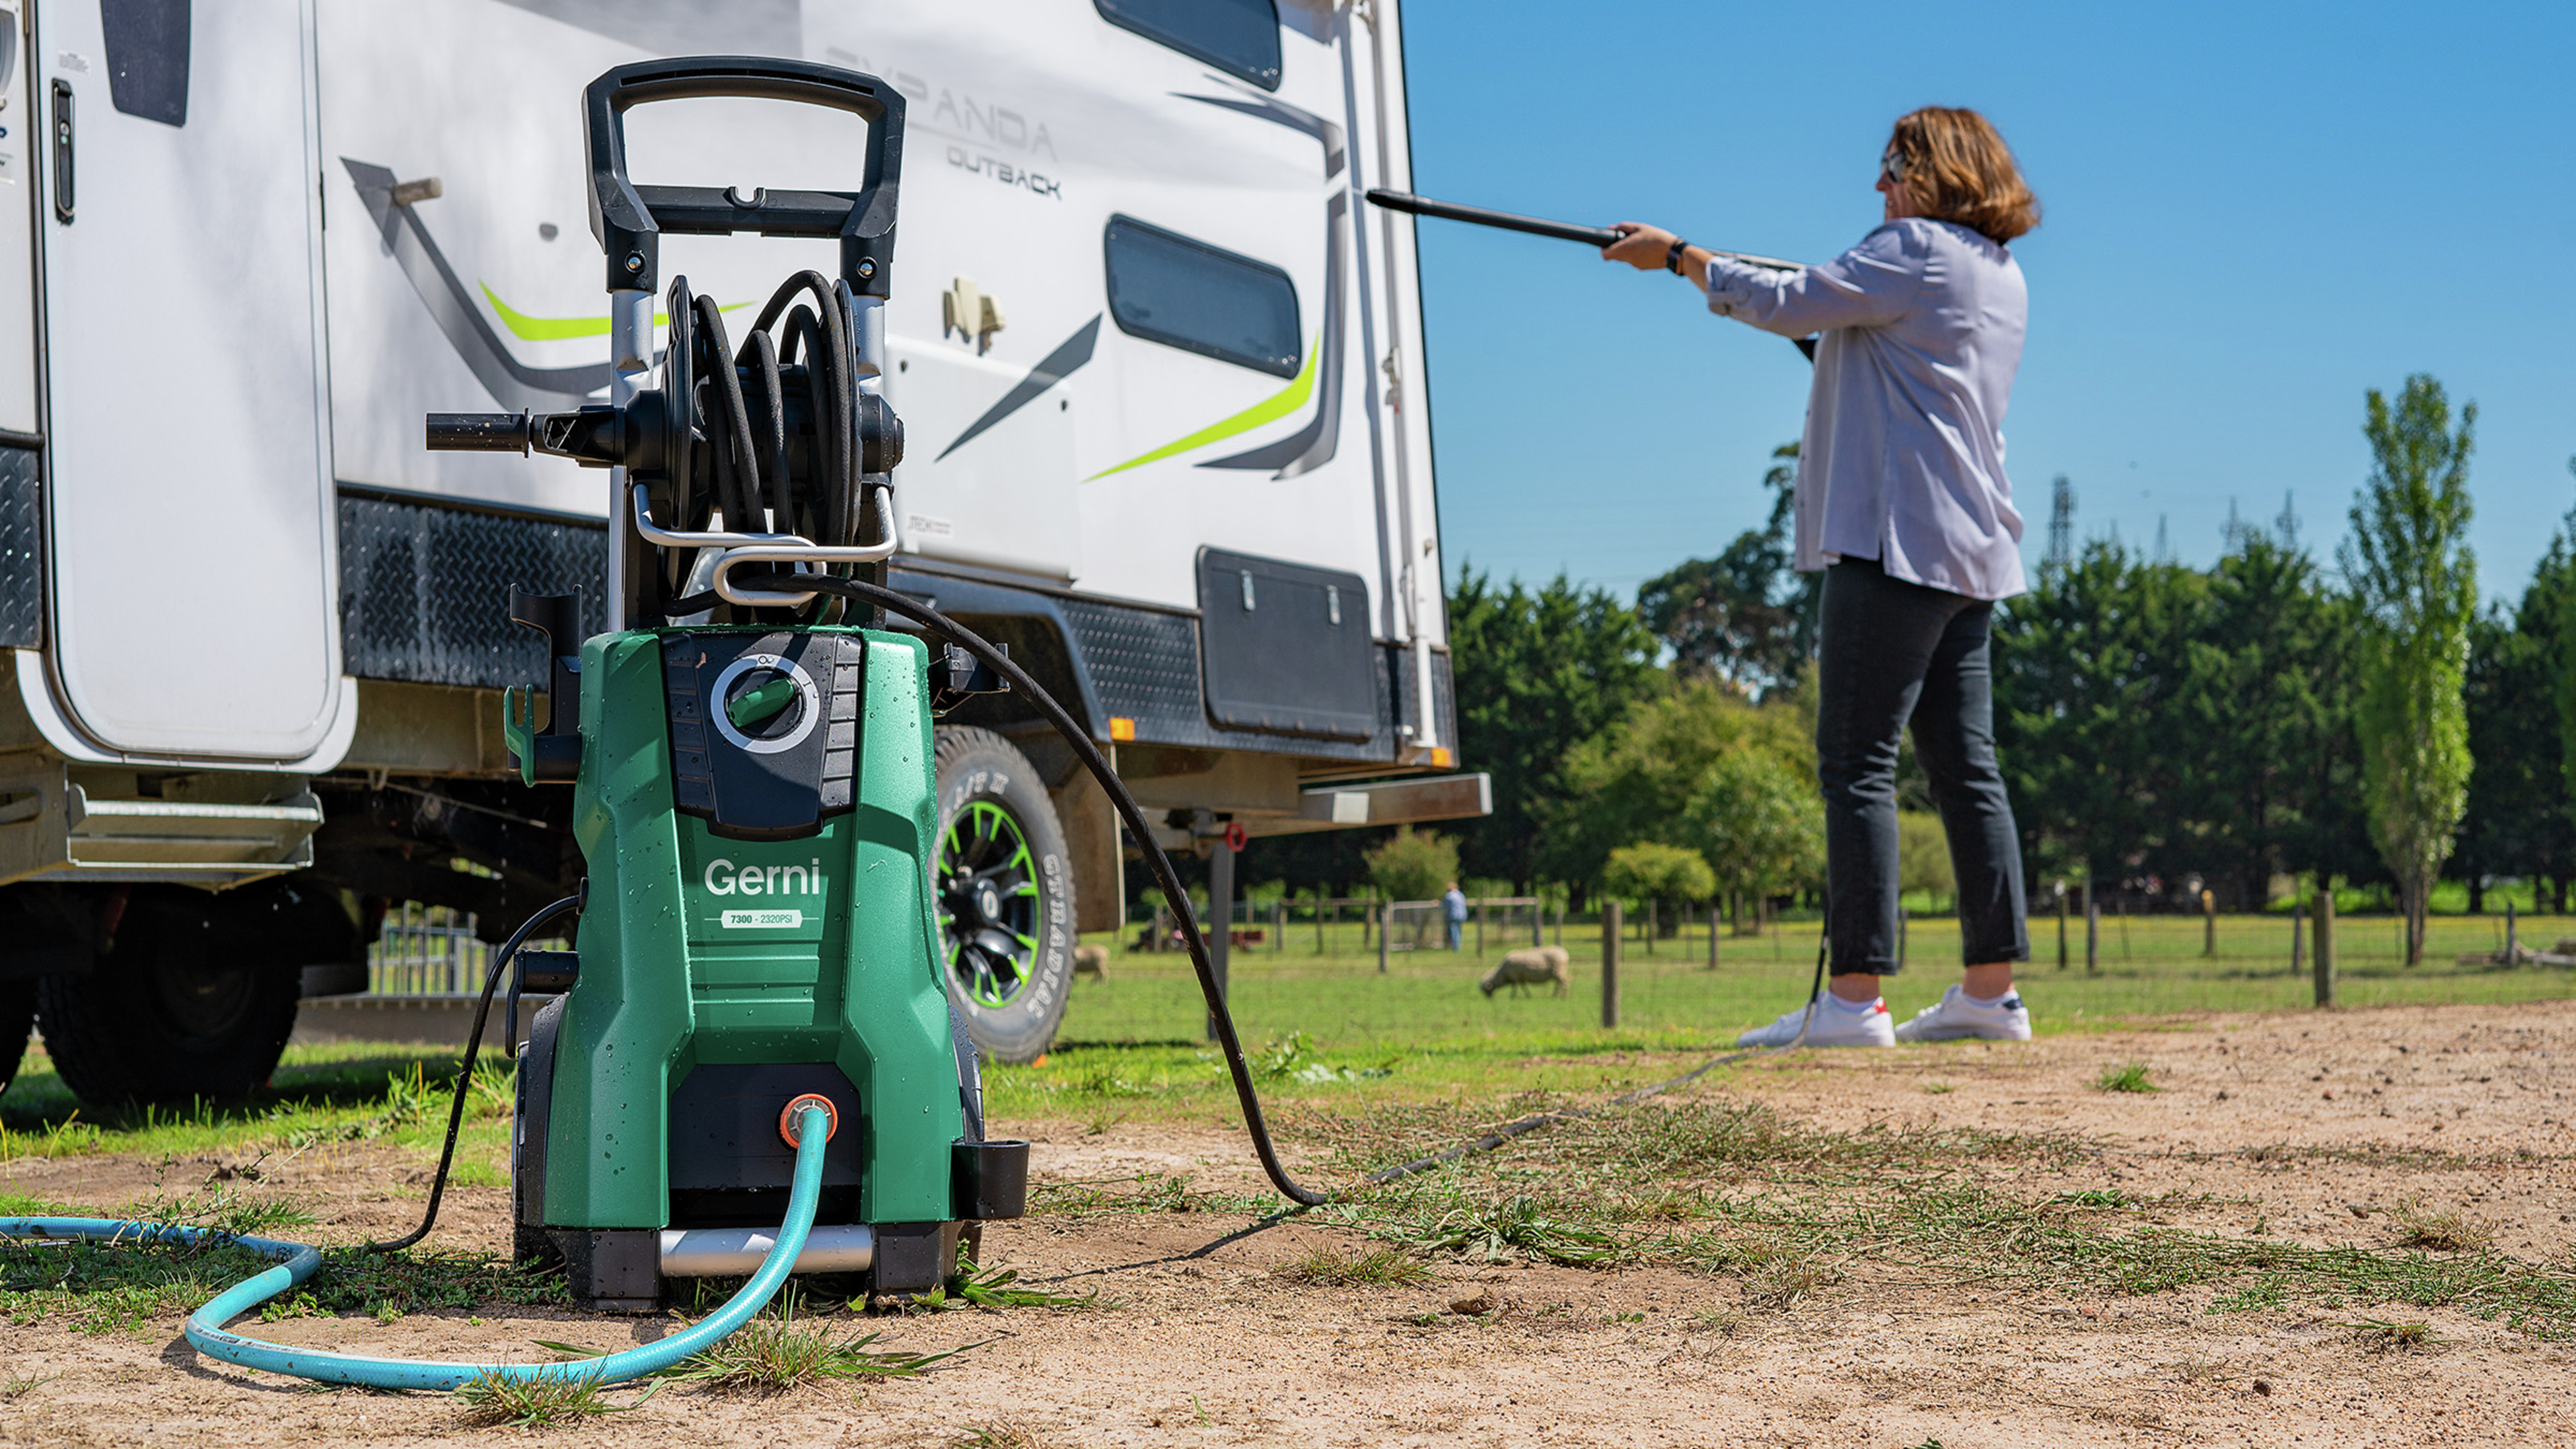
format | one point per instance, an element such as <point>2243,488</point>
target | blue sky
<point>2253,213</point>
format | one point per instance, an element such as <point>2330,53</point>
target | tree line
<point>2272,715</point>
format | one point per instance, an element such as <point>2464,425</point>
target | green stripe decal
<point>556,329</point>
<point>1289,400</point>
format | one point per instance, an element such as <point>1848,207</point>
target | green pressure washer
<point>753,788</point>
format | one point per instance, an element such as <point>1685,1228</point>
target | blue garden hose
<point>299,1261</point>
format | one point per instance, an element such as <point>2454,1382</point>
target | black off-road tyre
<point>194,999</point>
<point>1004,887</point>
<point>17,1014</point>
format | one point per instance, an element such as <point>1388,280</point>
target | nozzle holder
<point>791,1117</point>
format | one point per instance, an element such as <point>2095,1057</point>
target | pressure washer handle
<point>1412,205</point>
<point>629,220</point>
<point>1599,236</point>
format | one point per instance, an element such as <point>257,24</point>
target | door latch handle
<point>63,152</point>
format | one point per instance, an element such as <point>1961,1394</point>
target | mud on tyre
<point>1004,886</point>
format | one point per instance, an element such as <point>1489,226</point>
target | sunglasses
<point>1892,166</point>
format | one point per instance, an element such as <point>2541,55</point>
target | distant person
<point>1902,503</point>
<point>1453,905</point>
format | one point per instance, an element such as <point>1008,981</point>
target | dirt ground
<point>1205,1345</point>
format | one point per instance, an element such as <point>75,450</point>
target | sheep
<point>1091,961</point>
<point>1527,967</point>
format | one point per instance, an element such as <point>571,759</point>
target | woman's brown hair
<point>1958,168</point>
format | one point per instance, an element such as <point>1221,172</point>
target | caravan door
<point>188,487</point>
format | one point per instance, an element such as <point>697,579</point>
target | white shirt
<point>1903,458</point>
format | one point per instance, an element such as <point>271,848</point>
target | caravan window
<point>1165,287</point>
<point>1239,37</point>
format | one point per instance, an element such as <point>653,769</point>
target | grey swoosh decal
<point>1055,368</point>
<point>512,383</point>
<point>1313,446</point>
<point>1284,114</point>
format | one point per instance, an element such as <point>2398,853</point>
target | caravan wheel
<point>1005,889</point>
<point>192,1001</point>
<point>17,1014</point>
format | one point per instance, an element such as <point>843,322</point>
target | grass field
<point>1326,1027</point>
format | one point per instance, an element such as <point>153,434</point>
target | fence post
<point>2208,922</point>
<point>2325,954</point>
<point>1279,926</point>
<point>2092,931</point>
<point>2061,925</point>
<point>2512,956</point>
<point>1480,928</point>
<point>2298,936</point>
<point>1384,920</point>
<point>1652,924</point>
<point>1221,911</point>
<point>1610,928</point>
<point>1712,933</point>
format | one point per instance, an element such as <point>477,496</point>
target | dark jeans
<point>1893,653</point>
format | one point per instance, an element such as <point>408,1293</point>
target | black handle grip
<point>479,433</point>
<point>629,221</point>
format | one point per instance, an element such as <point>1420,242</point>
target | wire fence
<point>434,951</point>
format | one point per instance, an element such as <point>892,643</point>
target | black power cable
<point>1128,811</point>
<point>465,1073</point>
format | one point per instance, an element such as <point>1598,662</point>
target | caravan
<point>1158,365</point>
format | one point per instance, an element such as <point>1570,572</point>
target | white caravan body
<point>1158,362</point>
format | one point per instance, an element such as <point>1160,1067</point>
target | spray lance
<point>1599,236</point>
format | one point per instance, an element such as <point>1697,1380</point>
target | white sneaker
<point>1957,1015</point>
<point>1835,1026</point>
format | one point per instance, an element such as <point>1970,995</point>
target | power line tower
<point>2061,524</point>
<point>2164,545</point>
<point>2288,522</point>
<point>2232,532</point>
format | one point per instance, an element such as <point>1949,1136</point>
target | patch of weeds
<point>1278,1057</point>
<point>1331,1267</point>
<point>2269,1293</point>
<point>2379,1335</point>
<point>997,1435</point>
<point>2443,1232</point>
<point>990,1289</point>
<point>2099,1197</point>
<point>773,1354</point>
<point>2126,1077</point>
<point>1940,1089</point>
<point>18,1388</point>
<point>1505,1228</point>
<point>539,1403</point>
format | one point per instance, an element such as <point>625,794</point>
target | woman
<point>1903,504</point>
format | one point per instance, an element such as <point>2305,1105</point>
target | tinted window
<point>1240,37</point>
<point>1187,294</point>
<point>147,57</point>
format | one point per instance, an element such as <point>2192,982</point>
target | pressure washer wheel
<point>194,997</point>
<point>17,1015</point>
<point>1005,886</point>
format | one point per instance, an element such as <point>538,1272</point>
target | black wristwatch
<point>1673,256</point>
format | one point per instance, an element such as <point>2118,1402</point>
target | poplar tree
<point>2415,582</point>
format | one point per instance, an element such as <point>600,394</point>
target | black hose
<point>465,1073</point>
<point>1128,811</point>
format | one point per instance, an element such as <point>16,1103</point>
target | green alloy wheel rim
<point>988,904</point>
